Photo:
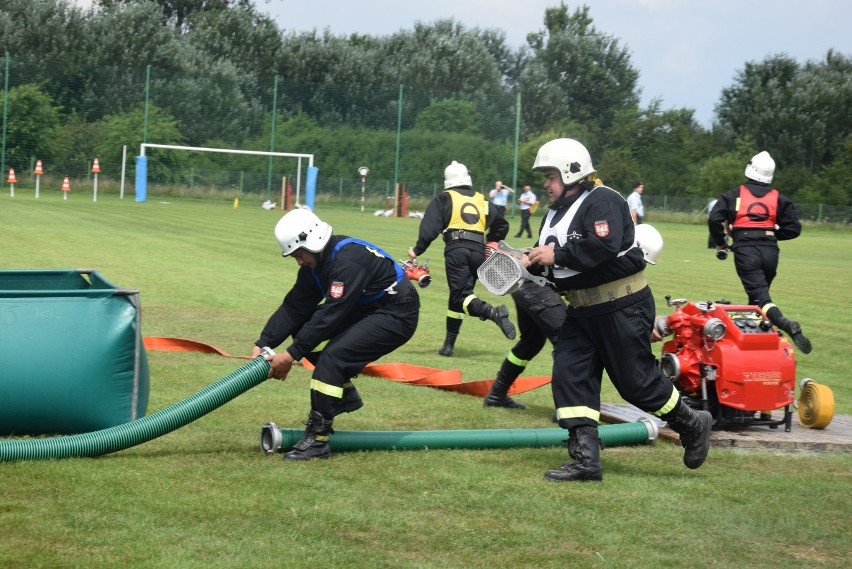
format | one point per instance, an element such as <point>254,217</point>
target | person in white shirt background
<point>634,202</point>
<point>526,201</point>
<point>500,196</point>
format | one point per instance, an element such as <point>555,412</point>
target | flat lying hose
<point>273,439</point>
<point>449,380</point>
<point>141,430</point>
<point>816,405</point>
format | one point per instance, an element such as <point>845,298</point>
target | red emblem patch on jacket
<point>336,289</point>
<point>602,228</point>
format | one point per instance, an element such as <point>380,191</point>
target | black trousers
<point>756,268</point>
<point>461,262</point>
<point>614,336</point>
<point>374,333</point>
<point>525,223</point>
<point>540,313</point>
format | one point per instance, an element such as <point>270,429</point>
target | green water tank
<point>72,359</point>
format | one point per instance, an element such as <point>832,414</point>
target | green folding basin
<point>72,358</point>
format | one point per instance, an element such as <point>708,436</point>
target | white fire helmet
<point>302,229</point>
<point>568,156</point>
<point>760,168</point>
<point>650,241</point>
<point>456,175</point>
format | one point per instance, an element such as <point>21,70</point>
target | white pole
<point>298,180</point>
<point>38,179</point>
<point>123,169</point>
<point>95,196</point>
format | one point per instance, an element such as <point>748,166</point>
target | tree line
<point>83,83</point>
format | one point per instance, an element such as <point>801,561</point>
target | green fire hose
<point>141,430</point>
<point>273,439</point>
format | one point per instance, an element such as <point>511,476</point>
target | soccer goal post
<point>310,176</point>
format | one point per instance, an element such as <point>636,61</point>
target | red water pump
<point>417,273</point>
<point>729,360</point>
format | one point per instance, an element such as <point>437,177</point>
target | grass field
<point>204,495</point>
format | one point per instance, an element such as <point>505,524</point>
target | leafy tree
<point>661,148</point>
<point>31,127</point>
<point>722,172</point>
<point>126,129</point>
<point>575,72</point>
<point>248,41</point>
<point>448,116</point>
<point>444,59</point>
<point>832,184</point>
<point>800,114</point>
<point>47,44</point>
<point>337,80</point>
<point>73,147</point>
<point>179,12</point>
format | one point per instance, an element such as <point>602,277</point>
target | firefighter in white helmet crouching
<point>587,248</point>
<point>349,293</point>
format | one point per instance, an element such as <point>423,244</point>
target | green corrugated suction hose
<point>273,439</point>
<point>141,430</point>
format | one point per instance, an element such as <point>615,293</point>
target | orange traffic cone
<point>66,187</point>
<point>12,181</point>
<point>96,168</point>
<point>39,171</point>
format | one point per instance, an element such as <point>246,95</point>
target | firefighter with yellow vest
<point>467,222</point>
<point>757,216</point>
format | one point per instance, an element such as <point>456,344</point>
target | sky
<point>686,51</point>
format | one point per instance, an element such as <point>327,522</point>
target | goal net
<point>309,174</point>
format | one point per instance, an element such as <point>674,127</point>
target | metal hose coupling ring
<point>266,351</point>
<point>270,438</point>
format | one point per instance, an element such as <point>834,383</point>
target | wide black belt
<point>456,234</point>
<point>753,233</point>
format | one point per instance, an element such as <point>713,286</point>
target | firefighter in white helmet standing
<point>587,248</point>
<point>467,221</point>
<point>348,292</point>
<point>757,216</point>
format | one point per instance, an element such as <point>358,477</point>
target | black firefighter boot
<point>500,316</point>
<point>694,430</point>
<point>584,447</point>
<point>498,396</point>
<point>791,327</point>
<point>314,442</point>
<point>449,344</point>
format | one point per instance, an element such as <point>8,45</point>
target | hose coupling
<point>270,438</point>
<point>266,351</point>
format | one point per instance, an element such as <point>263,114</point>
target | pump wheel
<point>816,405</point>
